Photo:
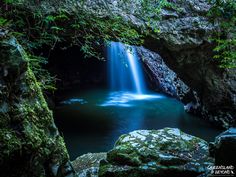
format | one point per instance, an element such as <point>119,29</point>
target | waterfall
<point>125,72</point>
<point>126,77</point>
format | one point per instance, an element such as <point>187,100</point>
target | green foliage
<point>4,22</point>
<point>89,31</point>
<point>94,32</point>
<point>155,6</point>
<point>224,13</point>
<point>9,1</point>
<point>45,80</point>
<point>32,31</point>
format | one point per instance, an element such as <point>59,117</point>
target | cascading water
<point>126,77</point>
<point>124,69</point>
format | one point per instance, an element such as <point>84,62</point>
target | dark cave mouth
<point>72,69</point>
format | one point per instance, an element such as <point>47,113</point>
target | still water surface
<point>92,120</point>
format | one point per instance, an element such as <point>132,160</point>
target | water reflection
<point>74,101</point>
<point>95,125</point>
<point>127,99</point>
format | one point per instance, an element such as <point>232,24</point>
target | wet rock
<point>87,165</point>
<point>224,148</point>
<point>165,152</point>
<point>29,139</point>
<point>165,80</point>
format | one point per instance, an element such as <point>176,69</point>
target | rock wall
<point>165,80</point>
<point>30,144</point>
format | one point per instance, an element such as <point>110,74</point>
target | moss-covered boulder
<point>165,152</point>
<point>30,144</point>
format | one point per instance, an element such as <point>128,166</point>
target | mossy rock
<point>165,152</point>
<point>29,140</point>
<point>88,164</point>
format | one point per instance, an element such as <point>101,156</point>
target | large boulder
<point>224,148</point>
<point>165,152</point>
<point>30,144</point>
<point>165,80</point>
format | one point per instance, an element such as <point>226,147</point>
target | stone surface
<point>165,152</point>
<point>163,79</point>
<point>87,165</point>
<point>29,140</point>
<point>224,148</point>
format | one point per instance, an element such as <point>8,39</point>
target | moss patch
<point>29,139</point>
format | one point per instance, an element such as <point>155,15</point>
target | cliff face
<point>184,44</point>
<point>30,144</point>
<point>163,79</point>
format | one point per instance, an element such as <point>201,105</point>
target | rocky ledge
<point>165,152</point>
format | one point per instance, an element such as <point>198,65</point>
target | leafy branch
<point>223,12</point>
